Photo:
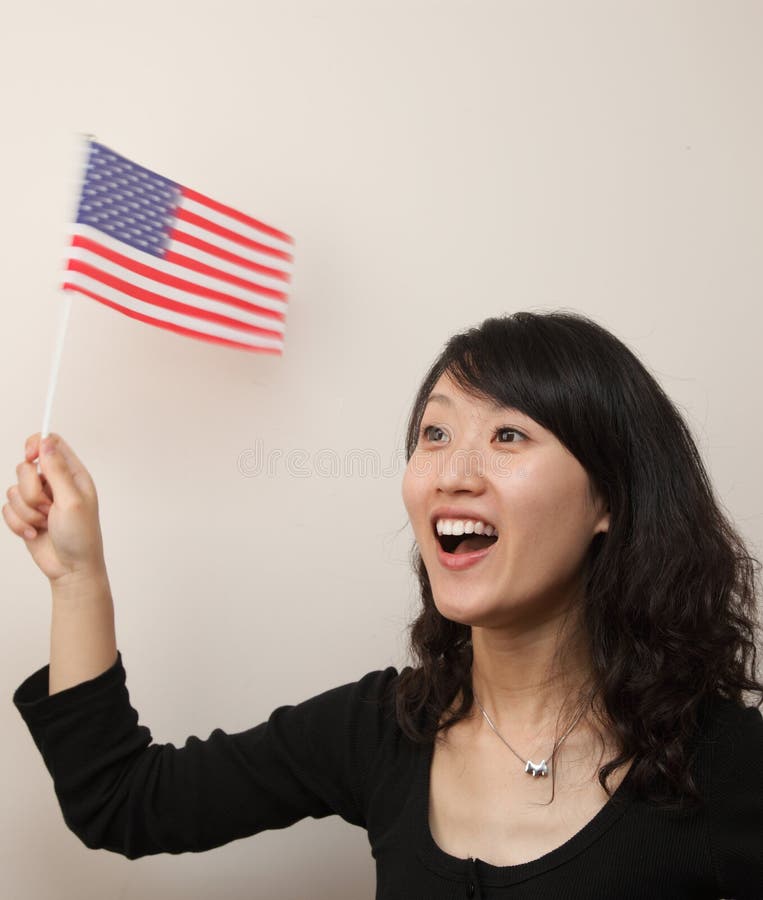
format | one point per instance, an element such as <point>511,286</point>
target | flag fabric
<point>174,258</point>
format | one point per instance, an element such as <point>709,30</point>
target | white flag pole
<point>57,353</point>
<point>83,148</point>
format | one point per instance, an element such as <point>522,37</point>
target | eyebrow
<point>446,401</point>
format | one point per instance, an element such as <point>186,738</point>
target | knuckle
<point>10,518</point>
<point>77,504</point>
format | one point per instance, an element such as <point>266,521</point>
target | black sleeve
<point>736,806</point>
<point>120,792</point>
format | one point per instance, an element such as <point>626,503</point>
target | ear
<point>602,524</point>
<point>600,506</point>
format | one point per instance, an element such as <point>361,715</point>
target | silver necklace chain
<point>541,768</point>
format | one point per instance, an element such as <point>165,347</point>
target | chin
<point>464,613</point>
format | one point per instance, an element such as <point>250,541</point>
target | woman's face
<point>486,462</point>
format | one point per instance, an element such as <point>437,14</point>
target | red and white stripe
<point>224,276</point>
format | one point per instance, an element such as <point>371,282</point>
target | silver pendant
<point>534,770</point>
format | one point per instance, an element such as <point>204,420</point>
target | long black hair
<point>670,590</point>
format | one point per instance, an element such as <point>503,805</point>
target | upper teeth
<point>465,526</point>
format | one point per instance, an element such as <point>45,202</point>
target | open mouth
<point>464,543</point>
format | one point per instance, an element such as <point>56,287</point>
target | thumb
<point>54,465</point>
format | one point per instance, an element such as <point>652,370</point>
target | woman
<point>574,725</point>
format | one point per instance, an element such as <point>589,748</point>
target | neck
<point>519,683</point>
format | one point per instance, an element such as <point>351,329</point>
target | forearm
<point>83,641</point>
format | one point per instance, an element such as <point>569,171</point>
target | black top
<point>341,752</point>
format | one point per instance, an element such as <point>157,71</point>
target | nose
<point>461,468</point>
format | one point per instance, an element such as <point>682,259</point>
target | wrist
<point>89,580</point>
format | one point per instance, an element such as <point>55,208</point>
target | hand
<point>55,511</point>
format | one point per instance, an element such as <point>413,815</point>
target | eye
<point>426,429</point>
<point>513,431</point>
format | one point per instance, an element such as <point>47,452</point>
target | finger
<point>26,513</point>
<point>47,489</point>
<point>32,446</point>
<point>17,525</point>
<point>30,486</point>
<point>77,472</point>
<point>54,465</point>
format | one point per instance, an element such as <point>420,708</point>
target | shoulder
<point>351,729</point>
<point>733,735</point>
<point>358,707</point>
<point>732,740</point>
<point>371,689</point>
<point>724,720</point>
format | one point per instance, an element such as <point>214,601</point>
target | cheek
<point>550,516</point>
<point>542,490</point>
<point>412,491</point>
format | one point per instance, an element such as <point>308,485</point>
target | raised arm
<point>55,511</point>
<point>118,790</point>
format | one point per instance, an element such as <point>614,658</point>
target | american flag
<point>172,257</point>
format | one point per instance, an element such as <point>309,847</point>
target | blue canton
<point>127,202</point>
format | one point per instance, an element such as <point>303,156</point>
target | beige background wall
<point>437,162</point>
